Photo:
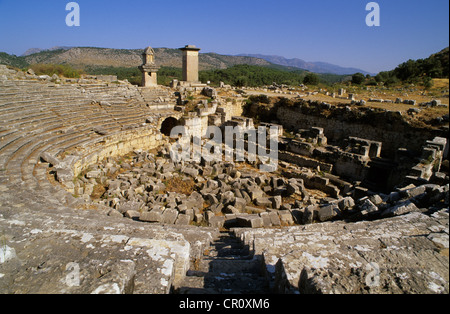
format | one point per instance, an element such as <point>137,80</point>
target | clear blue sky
<point>320,30</point>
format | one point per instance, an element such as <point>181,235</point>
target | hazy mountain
<point>81,57</point>
<point>37,50</point>
<point>317,67</point>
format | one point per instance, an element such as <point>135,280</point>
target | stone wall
<point>340,123</point>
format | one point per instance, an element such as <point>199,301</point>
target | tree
<point>311,79</point>
<point>427,82</point>
<point>241,81</point>
<point>358,78</point>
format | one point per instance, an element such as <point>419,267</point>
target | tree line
<point>420,71</point>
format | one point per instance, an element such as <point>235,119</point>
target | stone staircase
<point>228,267</point>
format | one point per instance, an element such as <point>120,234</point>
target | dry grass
<point>98,191</point>
<point>440,83</point>
<point>181,186</point>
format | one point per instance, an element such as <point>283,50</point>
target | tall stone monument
<point>190,64</point>
<point>149,68</point>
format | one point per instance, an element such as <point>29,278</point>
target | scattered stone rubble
<point>222,194</point>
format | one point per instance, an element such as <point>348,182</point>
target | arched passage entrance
<point>167,125</point>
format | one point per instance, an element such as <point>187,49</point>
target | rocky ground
<point>150,187</point>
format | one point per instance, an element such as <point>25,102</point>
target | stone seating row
<point>51,229</point>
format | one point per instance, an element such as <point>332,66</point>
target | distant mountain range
<point>37,50</point>
<point>82,57</point>
<point>317,67</point>
<point>92,57</point>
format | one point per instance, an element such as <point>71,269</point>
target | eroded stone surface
<point>66,251</point>
<point>405,254</point>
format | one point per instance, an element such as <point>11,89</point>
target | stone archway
<point>168,124</point>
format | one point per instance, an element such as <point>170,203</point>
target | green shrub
<point>311,79</point>
<point>58,69</point>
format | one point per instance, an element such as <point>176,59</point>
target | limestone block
<point>263,201</point>
<point>216,221</point>
<point>267,222</point>
<point>183,219</point>
<point>346,204</point>
<point>240,203</point>
<point>400,209</point>
<point>153,216</point>
<point>286,218</point>
<point>328,212</point>
<point>169,216</point>
<point>274,219</point>
<point>250,221</point>
<point>276,202</point>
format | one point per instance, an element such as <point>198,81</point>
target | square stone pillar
<point>190,63</point>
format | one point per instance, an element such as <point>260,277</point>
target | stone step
<point>227,268</point>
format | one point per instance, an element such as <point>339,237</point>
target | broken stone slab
<point>368,208</point>
<point>400,209</point>
<point>183,219</point>
<point>255,192</point>
<point>198,218</point>
<point>95,174</point>
<point>211,199</point>
<point>292,188</point>
<point>230,209</point>
<point>416,191</point>
<point>376,199</point>
<point>153,216</point>
<point>286,218</point>
<point>240,203</point>
<point>267,222</point>
<point>64,175</point>
<point>130,205</point>
<point>276,201</point>
<point>216,208</point>
<point>114,213</point>
<point>309,214</point>
<point>216,221</point>
<point>263,201</point>
<point>132,214</point>
<point>274,219</point>
<point>328,212</point>
<point>190,171</point>
<point>346,204</point>
<point>250,221</point>
<point>169,216</point>
<point>228,198</point>
<point>47,157</point>
<point>254,210</point>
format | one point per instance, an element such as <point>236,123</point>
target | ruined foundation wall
<point>339,123</point>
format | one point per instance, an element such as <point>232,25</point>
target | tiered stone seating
<point>157,98</point>
<point>49,225</point>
